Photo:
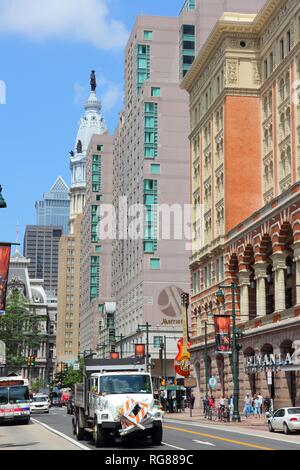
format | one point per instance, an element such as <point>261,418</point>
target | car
<point>286,420</point>
<point>56,400</point>
<point>39,404</point>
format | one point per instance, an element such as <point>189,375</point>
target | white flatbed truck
<point>115,400</point>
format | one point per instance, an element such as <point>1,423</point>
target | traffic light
<point>185,299</point>
<point>33,361</point>
<point>65,367</point>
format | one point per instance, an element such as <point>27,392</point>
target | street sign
<point>213,382</point>
<point>76,366</point>
<point>190,382</point>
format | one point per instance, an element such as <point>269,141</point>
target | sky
<point>47,50</point>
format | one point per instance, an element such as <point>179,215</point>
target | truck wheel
<point>73,427</point>
<point>99,438</point>
<point>157,435</point>
<point>79,430</point>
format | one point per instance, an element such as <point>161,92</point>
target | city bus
<point>14,400</point>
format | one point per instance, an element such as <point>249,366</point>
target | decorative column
<point>279,267</point>
<point>296,248</point>
<point>244,280</point>
<point>260,276</point>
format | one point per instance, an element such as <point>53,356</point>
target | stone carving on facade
<point>256,73</point>
<point>231,76</point>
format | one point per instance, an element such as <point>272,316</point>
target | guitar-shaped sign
<point>182,361</point>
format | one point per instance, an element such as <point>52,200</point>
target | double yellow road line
<point>217,438</point>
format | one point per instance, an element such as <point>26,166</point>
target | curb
<point>60,434</point>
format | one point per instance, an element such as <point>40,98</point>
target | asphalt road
<point>179,435</point>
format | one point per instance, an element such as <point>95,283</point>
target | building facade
<point>40,305</point>
<point>54,210</point>
<point>96,249</point>
<point>245,174</point>
<point>151,169</point>
<point>68,297</point>
<point>41,247</point>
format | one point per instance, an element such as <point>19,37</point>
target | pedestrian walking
<point>261,400</point>
<point>230,407</point>
<point>257,407</point>
<point>192,400</point>
<point>248,405</point>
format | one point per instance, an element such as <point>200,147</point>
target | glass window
<point>149,152</point>
<point>157,341</point>
<point>155,169</point>
<point>3,396</point>
<point>148,35</point>
<point>123,384</point>
<point>155,263</point>
<point>100,148</point>
<point>293,411</point>
<point>18,395</point>
<point>99,249</point>
<point>155,91</point>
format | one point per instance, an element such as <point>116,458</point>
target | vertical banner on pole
<point>4,268</point>
<point>222,330</point>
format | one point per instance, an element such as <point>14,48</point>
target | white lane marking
<point>174,447</point>
<point>204,443</point>
<point>242,430</point>
<point>61,435</point>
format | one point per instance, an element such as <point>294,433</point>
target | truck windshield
<point>3,396</point>
<point>120,384</point>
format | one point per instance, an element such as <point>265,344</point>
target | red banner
<point>222,329</point>
<point>4,268</point>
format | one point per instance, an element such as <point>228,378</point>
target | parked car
<point>39,404</point>
<point>286,420</point>
<point>65,396</point>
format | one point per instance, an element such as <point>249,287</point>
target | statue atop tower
<point>93,81</point>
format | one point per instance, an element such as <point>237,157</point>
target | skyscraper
<point>54,209</point>
<point>41,247</point>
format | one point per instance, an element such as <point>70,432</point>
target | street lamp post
<point>3,204</point>
<point>235,349</point>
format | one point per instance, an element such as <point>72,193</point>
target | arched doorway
<point>286,347</point>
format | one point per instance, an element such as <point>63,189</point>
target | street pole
<point>121,346</point>
<point>147,345</point>
<point>165,372</point>
<point>235,359</point>
<point>206,363</point>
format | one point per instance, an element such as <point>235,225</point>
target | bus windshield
<point>14,395</point>
<point>120,384</point>
<point>3,396</point>
<point>18,395</point>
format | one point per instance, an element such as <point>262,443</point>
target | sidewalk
<point>197,417</point>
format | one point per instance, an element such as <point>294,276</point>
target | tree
<point>70,377</point>
<point>20,330</point>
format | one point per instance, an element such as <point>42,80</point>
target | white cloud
<point>72,20</point>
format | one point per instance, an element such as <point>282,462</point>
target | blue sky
<point>47,50</point>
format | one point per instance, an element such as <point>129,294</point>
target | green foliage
<point>37,385</point>
<point>20,329</point>
<point>69,377</point>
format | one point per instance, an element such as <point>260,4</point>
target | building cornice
<point>243,24</point>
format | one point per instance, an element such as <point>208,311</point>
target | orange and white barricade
<point>132,416</point>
